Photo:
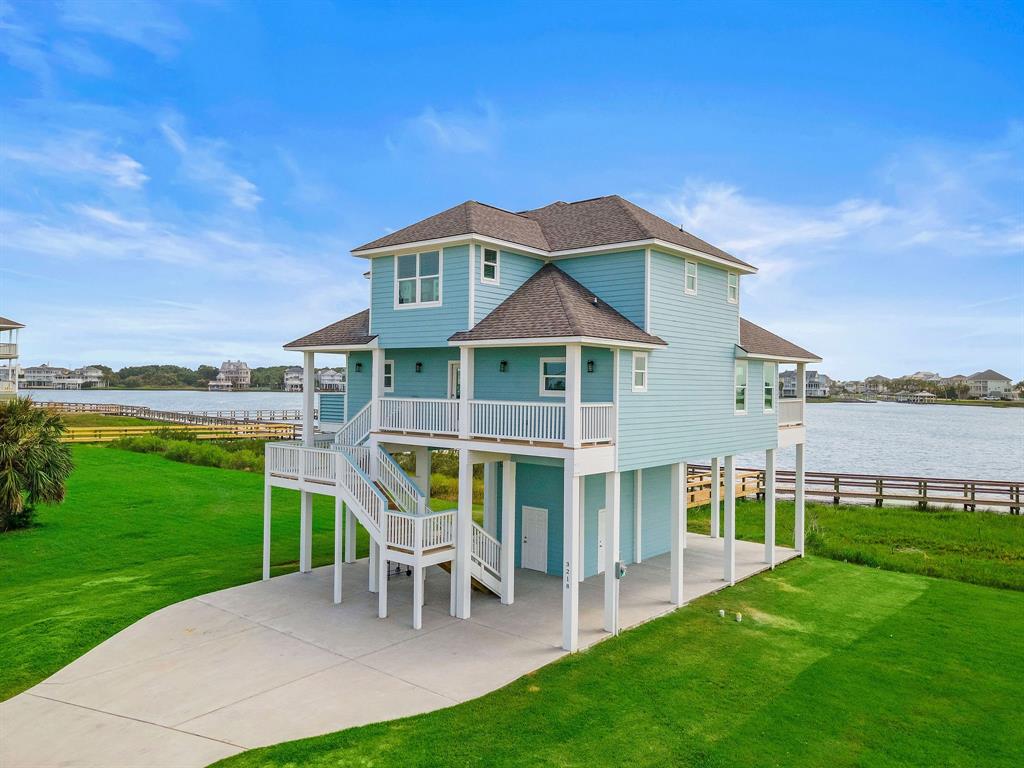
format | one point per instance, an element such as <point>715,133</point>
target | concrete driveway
<point>277,660</point>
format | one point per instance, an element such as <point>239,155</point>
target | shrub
<point>245,455</point>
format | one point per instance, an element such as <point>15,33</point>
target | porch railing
<point>791,412</point>
<point>436,416</point>
<point>544,422</point>
<point>598,422</point>
<point>8,350</point>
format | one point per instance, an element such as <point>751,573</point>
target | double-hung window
<point>388,376</point>
<point>489,267</point>
<point>418,279</point>
<point>770,374</point>
<point>639,371</point>
<point>740,386</point>
<point>690,286</point>
<point>552,376</point>
<point>734,288</point>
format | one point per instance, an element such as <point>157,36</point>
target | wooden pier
<point>227,416</point>
<point>229,431</point>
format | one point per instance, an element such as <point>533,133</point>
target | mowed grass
<point>976,547</point>
<point>101,420</point>
<point>137,533</point>
<point>833,664</point>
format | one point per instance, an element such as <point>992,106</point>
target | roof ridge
<point>570,314</point>
<point>496,208</point>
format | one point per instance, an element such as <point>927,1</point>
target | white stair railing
<point>365,496</point>
<point>396,482</point>
<point>485,559</point>
<point>356,429</point>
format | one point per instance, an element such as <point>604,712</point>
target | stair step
<point>478,586</point>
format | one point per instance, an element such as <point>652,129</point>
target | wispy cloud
<point>78,154</point>
<point>202,162</point>
<point>457,131</point>
<point>150,25</point>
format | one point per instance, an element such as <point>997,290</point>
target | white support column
<point>306,533</point>
<point>465,390</point>
<point>374,557</point>
<point>491,497</point>
<point>729,550</point>
<point>376,387</point>
<point>638,506</point>
<point>581,570</point>
<point>339,514</point>
<point>573,394</point>
<point>308,397</point>
<point>422,477</point>
<point>508,531</point>
<point>453,590</point>
<point>417,597</point>
<point>769,507</point>
<point>571,559</point>
<point>799,495</point>
<point>382,584</point>
<point>612,492</point>
<point>464,532</point>
<point>677,501</point>
<point>716,497</point>
<point>350,535</point>
<point>684,510</point>
<point>267,503</point>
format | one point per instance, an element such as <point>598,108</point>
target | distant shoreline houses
<point>234,376</point>
<point>327,379</point>
<point>926,386</point>
<point>57,377</point>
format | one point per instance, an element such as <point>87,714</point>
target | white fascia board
<point>589,341</point>
<point>443,242</point>
<point>661,245</point>
<point>339,348</point>
<point>743,354</point>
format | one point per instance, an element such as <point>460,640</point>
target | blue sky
<point>182,182</point>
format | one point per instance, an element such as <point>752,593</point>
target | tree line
<point>180,377</point>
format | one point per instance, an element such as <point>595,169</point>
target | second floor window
<point>388,376</point>
<point>740,386</point>
<point>690,286</point>
<point>639,371</point>
<point>770,372</point>
<point>418,277</point>
<point>489,267</point>
<point>734,288</point>
<point>552,376</point>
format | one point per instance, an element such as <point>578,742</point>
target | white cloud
<point>143,23</point>
<point>458,132</point>
<point>202,163</point>
<point>79,154</point>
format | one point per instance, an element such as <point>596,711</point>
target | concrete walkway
<point>276,660</point>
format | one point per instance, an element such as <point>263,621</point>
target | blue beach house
<point>588,355</point>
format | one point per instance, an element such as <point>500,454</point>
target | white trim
<point>746,387</point>
<point>629,245</point>
<point>440,280</point>
<point>339,348</point>
<point>686,277</point>
<point>383,377</point>
<point>775,386</point>
<point>544,392</point>
<point>776,358</point>
<point>646,371</point>
<point>728,287</point>
<point>496,280</point>
<point>453,393</point>
<point>472,288</point>
<point>589,341</point>
<point>647,290</point>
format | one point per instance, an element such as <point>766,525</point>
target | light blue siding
<point>656,513</point>
<point>420,326</point>
<point>358,386</point>
<point>617,278</point>
<point>687,412</point>
<point>431,381</point>
<point>514,269</point>
<point>521,380</point>
<point>332,407</point>
<point>627,484</point>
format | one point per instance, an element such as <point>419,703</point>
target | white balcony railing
<point>436,416</point>
<point>543,422</point>
<point>597,422</point>
<point>791,412</point>
<point>8,349</point>
<point>7,386</point>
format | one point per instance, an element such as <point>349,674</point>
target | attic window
<point>690,285</point>
<point>418,279</point>
<point>489,267</point>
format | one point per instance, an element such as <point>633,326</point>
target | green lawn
<point>833,664</point>
<point>137,532</point>
<point>102,420</point>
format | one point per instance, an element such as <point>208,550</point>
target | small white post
<point>464,532</point>
<point>423,469</point>
<point>582,569</point>
<point>267,503</point>
<point>308,397</point>
<point>729,567</point>
<point>638,507</point>
<point>339,514</point>
<point>799,496</point>
<point>306,533</point>
<point>382,584</point>
<point>612,493</point>
<point>769,507</point>
<point>571,559</point>
<point>465,391</point>
<point>677,501</point>
<point>376,387</point>
<point>350,535</point>
<point>374,557</point>
<point>417,597</point>
<point>716,497</point>
<point>573,395</point>
<point>508,531</point>
<point>684,511</point>
<point>491,497</point>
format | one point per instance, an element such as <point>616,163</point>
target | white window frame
<point>440,280</point>
<point>746,389</point>
<point>543,379</point>
<point>774,382</point>
<point>646,371</point>
<point>732,282</point>
<point>686,277</point>
<point>496,280</point>
<point>388,371</point>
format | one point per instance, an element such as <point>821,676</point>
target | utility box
<point>620,570</point>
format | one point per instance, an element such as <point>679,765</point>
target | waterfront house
<point>815,384</point>
<point>917,397</point>
<point>876,385</point>
<point>986,383</point>
<point>330,380</point>
<point>234,376</point>
<point>56,377</point>
<point>9,357</point>
<point>293,378</point>
<point>584,353</point>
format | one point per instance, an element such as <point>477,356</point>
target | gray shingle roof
<point>988,375</point>
<point>351,331</point>
<point>757,341</point>
<point>6,323</point>
<point>556,227</point>
<point>553,305</point>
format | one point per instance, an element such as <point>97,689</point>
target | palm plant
<point>34,464</point>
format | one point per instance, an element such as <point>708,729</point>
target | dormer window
<point>418,279</point>
<point>690,285</point>
<point>489,267</point>
<point>734,288</point>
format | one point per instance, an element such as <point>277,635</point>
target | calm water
<point>874,438</point>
